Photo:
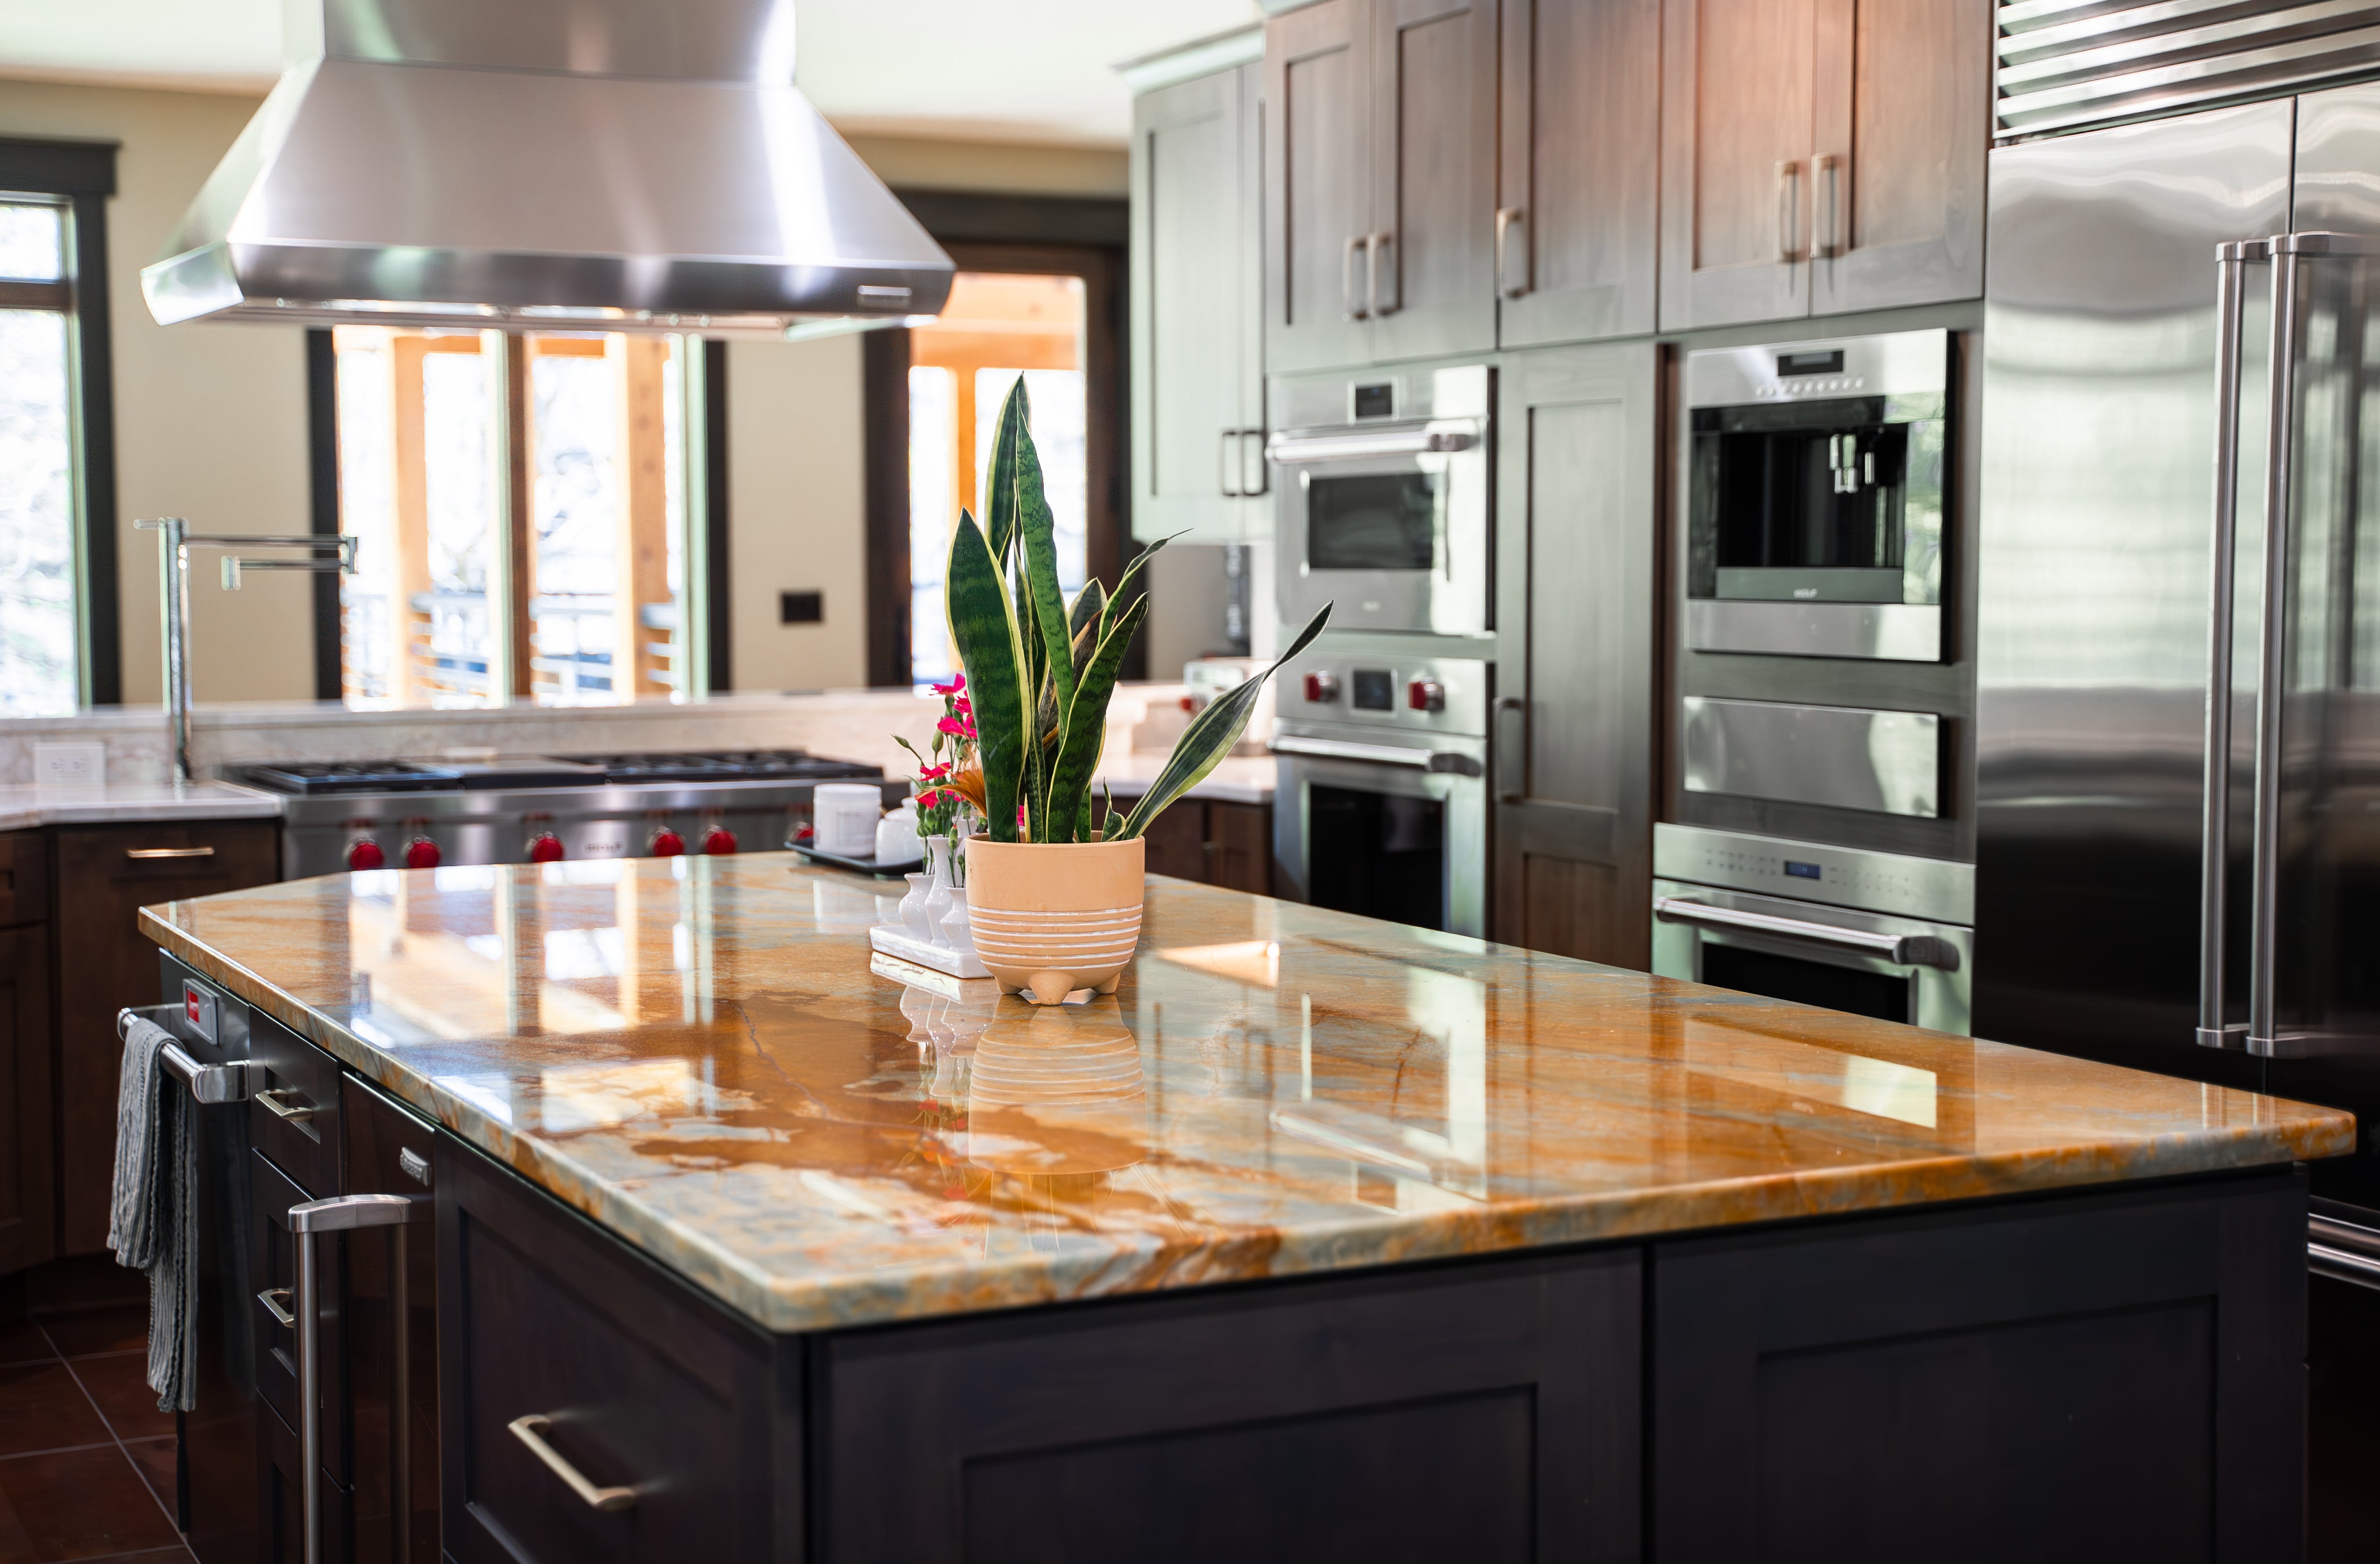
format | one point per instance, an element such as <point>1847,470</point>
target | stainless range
<point>344,815</point>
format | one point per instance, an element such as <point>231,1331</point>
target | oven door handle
<point>1296,449</point>
<point>1908,950</point>
<point>1378,754</point>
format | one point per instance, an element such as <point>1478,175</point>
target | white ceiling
<point>1015,70</point>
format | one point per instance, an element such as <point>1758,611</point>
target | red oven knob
<point>665,843</point>
<point>421,853</point>
<point>1321,688</point>
<point>546,847</point>
<point>1426,696</point>
<point>366,854</point>
<point>718,839</point>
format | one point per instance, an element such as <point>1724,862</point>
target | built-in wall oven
<point>1815,497</point>
<point>1875,933</point>
<point>1382,490</point>
<point>1382,802</point>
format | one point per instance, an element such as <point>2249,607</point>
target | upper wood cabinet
<point>1576,230</point>
<point>1820,156</point>
<point>1197,317</point>
<point>1380,182</point>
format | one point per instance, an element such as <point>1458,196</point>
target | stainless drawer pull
<point>274,1105</point>
<point>531,1431</point>
<point>169,852</point>
<point>1910,950</point>
<point>2340,1265</point>
<point>344,1214</point>
<point>276,1304</point>
<point>414,1165</point>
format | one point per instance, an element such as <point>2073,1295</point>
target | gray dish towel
<point>152,1213</point>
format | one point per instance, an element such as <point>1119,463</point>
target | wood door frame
<point>1050,236</point>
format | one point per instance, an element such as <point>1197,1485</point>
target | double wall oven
<point>1384,513</point>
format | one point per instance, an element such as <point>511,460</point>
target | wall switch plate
<point>69,766</point>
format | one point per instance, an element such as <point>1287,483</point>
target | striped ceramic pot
<point>1051,917</point>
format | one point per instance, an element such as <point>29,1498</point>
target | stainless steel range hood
<point>589,165</point>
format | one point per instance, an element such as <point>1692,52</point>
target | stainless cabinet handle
<point>1230,463</point>
<point>1829,170</point>
<point>2280,546</point>
<point>1789,210</point>
<point>341,1214</point>
<point>531,1431</point>
<point>1377,754</point>
<point>139,853</point>
<point>1908,950</point>
<point>276,1304</point>
<point>1254,440</point>
<point>1507,219</point>
<point>276,1104</point>
<point>2214,824</point>
<point>2343,1251</point>
<point>415,1166</point>
<point>1372,269</point>
<point>1511,749</point>
<point>1357,308</point>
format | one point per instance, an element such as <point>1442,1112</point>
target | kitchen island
<point>1323,1236</point>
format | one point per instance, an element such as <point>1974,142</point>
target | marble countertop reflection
<point>700,1056</point>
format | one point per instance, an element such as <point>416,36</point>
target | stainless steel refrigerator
<point>2187,884</point>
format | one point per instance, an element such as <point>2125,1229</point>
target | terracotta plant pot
<point>1051,917</point>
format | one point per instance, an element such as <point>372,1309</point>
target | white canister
<point>896,836</point>
<point>844,815</point>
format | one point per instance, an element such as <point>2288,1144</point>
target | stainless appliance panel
<point>1807,949</point>
<point>1894,365</point>
<point>1905,632</point>
<point>1930,889</point>
<point>2098,430</point>
<point>1455,789</point>
<point>1380,396</point>
<point>2338,185</point>
<point>1846,757</point>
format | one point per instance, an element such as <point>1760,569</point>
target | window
<point>443,437</point>
<point>57,585</point>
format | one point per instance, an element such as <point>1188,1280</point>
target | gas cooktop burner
<point>725,765</point>
<point>312,777</point>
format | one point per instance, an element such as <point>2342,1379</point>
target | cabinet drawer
<point>24,878</point>
<point>294,1118</point>
<point>272,1262</point>
<point>637,1385</point>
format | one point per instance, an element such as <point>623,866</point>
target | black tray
<point>859,865</point>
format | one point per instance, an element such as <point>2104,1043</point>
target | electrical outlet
<point>69,766</point>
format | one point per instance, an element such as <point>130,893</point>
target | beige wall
<point>210,420</point>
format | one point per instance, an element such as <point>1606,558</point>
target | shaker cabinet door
<point>1577,230</point>
<point>1430,267</point>
<point>1189,237</point>
<point>28,1214</point>
<point>1904,102</point>
<point>1737,107</point>
<point>1321,266</point>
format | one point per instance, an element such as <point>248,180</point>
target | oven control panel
<point>1416,694</point>
<point>1894,883</point>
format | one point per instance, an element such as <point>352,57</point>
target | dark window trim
<point>84,173</point>
<point>719,624</point>
<point>1067,235</point>
<point>323,481</point>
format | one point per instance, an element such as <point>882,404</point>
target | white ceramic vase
<point>937,896</point>
<point>913,907</point>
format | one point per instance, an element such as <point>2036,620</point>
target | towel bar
<point>233,1082</point>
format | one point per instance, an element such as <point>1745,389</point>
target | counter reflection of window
<point>425,472</point>
<point>38,671</point>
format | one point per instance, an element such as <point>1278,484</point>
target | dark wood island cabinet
<point>1385,1248</point>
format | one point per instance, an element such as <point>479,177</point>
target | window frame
<point>80,176</point>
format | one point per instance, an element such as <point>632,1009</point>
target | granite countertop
<point>1236,778</point>
<point>22,808</point>
<point>696,1053</point>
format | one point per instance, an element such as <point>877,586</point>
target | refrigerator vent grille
<point>2066,63</point>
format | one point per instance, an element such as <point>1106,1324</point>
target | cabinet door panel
<point>1903,107</point>
<point>1433,177</point>
<point>1736,136</point>
<point>105,875</point>
<point>1317,195</point>
<point>28,1214</point>
<point>1574,716</point>
<point>1186,306</point>
<point>1581,173</point>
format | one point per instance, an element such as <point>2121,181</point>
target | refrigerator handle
<point>2214,837</point>
<point>2280,529</point>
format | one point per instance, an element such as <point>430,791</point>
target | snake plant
<point>1040,671</point>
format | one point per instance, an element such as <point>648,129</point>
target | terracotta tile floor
<point>86,1459</point>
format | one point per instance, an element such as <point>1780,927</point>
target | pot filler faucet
<point>174,541</point>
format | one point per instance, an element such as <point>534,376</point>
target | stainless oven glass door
<point>1386,837</point>
<point>1388,525</point>
<point>1896,969</point>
